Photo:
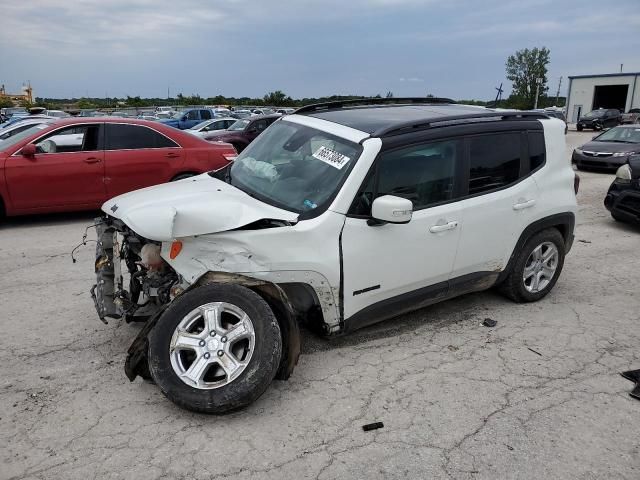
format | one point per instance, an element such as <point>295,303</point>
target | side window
<point>192,115</point>
<point>537,151</point>
<point>205,115</point>
<point>83,138</point>
<point>260,125</point>
<point>424,174</point>
<point>494,161</point>
<point>128,137</point>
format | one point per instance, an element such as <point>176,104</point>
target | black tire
<point>514,287</point>
<point>618,218</point>
<point>255,378</point>
<point>182,176</point>
<point>579,128</point>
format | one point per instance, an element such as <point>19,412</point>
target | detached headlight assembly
<point>623,174</point>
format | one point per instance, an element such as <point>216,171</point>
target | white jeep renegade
<point>339,215</point>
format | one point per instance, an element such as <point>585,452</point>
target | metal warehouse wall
<point>582,89</point>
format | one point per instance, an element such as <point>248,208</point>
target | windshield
<point>239,125</point>
<point>294,167</point>
<point>595,114</point>
<point>620,134</point>
<point>18,137</point>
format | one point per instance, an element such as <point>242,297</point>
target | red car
<point>77,164</point>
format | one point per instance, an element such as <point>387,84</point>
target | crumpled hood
<point>193,206</point>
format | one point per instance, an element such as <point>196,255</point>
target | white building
<point>611,90</point>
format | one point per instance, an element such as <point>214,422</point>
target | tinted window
<point>422,173</point>
<point>494,161</point>
<point>192,115</point>
<point>536,150</point>
<point>259,125</point>
<point>83,138</point>
<point>205,114</point>
<point>125,137</point>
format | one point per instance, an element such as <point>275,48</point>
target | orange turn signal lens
<point>176,248</point>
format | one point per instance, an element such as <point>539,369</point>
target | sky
<point>306,48</point>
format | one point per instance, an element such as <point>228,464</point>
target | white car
<point>211,125</point>
<point>339,216</point>
<point>25,124</point>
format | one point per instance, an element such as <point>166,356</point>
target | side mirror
<point>183,119</point>
<point>392,209</point>
<point>29,150</point>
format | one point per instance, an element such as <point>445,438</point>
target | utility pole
<point>538,83</point>
<point>558,92</point>
<point>621,65</point>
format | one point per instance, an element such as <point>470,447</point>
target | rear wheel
<point>537,267</point>
<point>579,128</point>
<point>215,349</point>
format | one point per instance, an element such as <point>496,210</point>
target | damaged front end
<point>148,277</point>
<point>132,282</point>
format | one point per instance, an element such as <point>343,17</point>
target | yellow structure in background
<point>18,98</point>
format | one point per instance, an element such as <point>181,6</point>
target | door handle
<point>523,205</point>
<point>91,160</point>
<point>443,228</point>
<point>172,155</point>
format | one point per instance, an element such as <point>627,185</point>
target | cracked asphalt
<point>537,396</point>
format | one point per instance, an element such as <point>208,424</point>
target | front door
<point>66,171</point>
<point>386,263</point>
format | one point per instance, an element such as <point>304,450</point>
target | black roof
<point>381,119</point>
<point>374,119</point>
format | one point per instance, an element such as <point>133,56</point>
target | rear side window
<point>131,137</point>
<point>537,151</point>
<point>205,114</point>
<point>494,161</point>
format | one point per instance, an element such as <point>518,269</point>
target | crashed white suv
<point>339,215</point>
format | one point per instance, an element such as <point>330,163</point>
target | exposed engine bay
<point>150,279</point>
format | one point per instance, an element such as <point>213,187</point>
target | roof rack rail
<point>316,107</point>
<point>414,125</point>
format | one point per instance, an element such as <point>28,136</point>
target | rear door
<point>137,156</point>
<point>66,171</point>
<point>501,199</point>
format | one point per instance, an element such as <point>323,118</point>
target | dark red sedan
<point>77,164</point>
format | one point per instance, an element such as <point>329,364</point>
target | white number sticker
<point>331,157</point>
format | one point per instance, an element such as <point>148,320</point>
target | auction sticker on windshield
<point>331,157</point>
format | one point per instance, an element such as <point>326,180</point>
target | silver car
<point>211,125</point>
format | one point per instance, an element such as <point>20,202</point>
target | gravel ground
<point>458,400</point>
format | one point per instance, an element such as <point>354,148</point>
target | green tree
<point>277,99</point>
<point>5,102</point>
<point>524,68</point>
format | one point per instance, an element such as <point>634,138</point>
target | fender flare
<point>564,222</point>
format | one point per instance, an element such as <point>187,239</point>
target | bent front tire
<point>215,349</point>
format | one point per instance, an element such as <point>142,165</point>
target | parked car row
<point>77,164</point>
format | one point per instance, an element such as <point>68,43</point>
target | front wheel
<point>579,128</point>
<point>215,349</point>
<point>537,267</point>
